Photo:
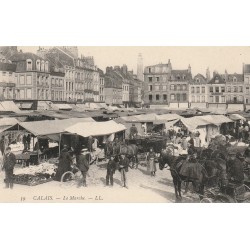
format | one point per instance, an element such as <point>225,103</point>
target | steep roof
<point>176,74</point>
<point>20,56</point>
<point>7,67</point>
<point>246,68</point>
<point>217,79</point>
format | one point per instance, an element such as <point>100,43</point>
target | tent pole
<point>60,137</point>
<point>38,148</point>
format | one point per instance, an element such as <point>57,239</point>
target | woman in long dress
<point>151,162</point>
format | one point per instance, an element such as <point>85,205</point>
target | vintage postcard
<point>124,124</point>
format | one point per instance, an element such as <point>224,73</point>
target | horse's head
<point>165,160</point>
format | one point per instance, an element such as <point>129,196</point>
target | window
<point>172,97</point>
<point>149,70</point>
<point>197,89</point>
<point>150,79</point>
<point>192,89</point>
<point>203,99</point>
<point>22,94</point>
<point>197,80</point>
<point>240,98</point>
<point>235,79</point>
<point>164,87</point>
<point>46,66</point>
<point>211,99</point>
<point>217,99</point>
<point>240,89</point>
<point>28,93</point>
<point>246,100</point>
<point>228,98</point>
<point>164,97</point>
<point>203,90</point>
<point>198,99</point>
<point>184,97</point>
<point>42,66</point>
<point>247,90</point>
<point>150,97</point>
<point>171,87</point>
<point>150,87</point>
<point>193,98</point>
<point>216,80</point>
<point>21,80</point>
<point>157,79</point>
<point>157,87</point>
<point>178,87</point>
<point>222,89</point>
<point>29,64</point>
<point>29,80</point>
<point>157,97</point>
<point>235,89</point>
<point>229,89</point>
<point>178,77</point>
<point>223,99</point>
<point>211,89</point>
<point>38,65</point>
<point>217,89</point>
<point>247,79</point>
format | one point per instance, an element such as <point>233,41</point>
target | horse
<point>203,171</point>
<point>131,151</point>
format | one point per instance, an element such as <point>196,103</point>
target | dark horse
<point>207,171</point>
<point>131,151</point>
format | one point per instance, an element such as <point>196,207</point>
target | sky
<point>216,58</point>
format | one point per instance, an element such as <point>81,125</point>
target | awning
<point>61,106</point>
<point>9,106</point>
<point>25,105</point>
<point>170,124</point>
<point>236,117</point>
<point>49,127</point>
<point>161,119</point>
<point>95,128</point>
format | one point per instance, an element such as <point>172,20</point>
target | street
<point>141,188</point>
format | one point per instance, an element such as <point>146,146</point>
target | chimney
<point>124,69</point>
<point>169,65</point>
<point>189,69</point>
<point>208,74</point>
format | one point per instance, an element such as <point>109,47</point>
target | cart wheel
<point>68,179</point>
<point>206,200</point>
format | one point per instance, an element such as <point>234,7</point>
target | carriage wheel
<point>68,179</point>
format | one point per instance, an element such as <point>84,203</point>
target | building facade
<point>31,77</point>
<point>217,91</point>
<point>246,75</point>
<point>7,80</point>
<point>156,84</point>
<point>101,86</point>
<point>198,92</point>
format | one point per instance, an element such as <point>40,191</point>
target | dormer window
<point>234,79</point>
<point>184,77</point>
<point>42,66</point>
<point>46,66</point>
<point>216,80</point>
<point>38,65</point>
<point>178,77</point>
<point>29,64</point>
<point>197,80</point>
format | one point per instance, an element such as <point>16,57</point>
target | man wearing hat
<point>9,162</point>
<point>64,164</point>
<point>82,164</point>
<point>123,168</point>
<point>111,167</point>
<point>235,169</point>
<point>133,131</point>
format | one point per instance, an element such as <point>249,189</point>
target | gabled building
<point>217,92</point>
<point>179,87</point>
<point>234,90</point>
<point>31,76</point>
<point>198,91</point>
